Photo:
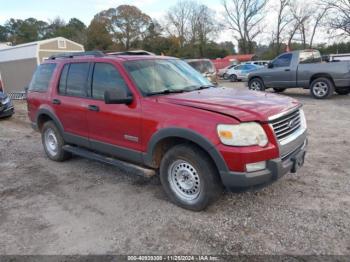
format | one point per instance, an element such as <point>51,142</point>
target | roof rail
<point>77,54</point>
<point>132,52</point>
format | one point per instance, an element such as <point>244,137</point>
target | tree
<point>98,37</point>
<point>126,23</point>
<point>3,34</point>
<point>339,21</point>
<point>244,18</point>
<point>283,20</point>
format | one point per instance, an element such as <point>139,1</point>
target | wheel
<point>343,91</point>
<point>53,142</point>
<point>225,76</point>
<point>189,178</point>
<point>233,78</point>
<point>279,90</point>
<point>322,88</point>
<point>256,84</point>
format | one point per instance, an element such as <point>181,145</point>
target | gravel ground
<point>84,207</point>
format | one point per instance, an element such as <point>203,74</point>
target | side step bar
<point>128,167</point>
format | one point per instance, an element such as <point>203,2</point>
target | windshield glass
<point>165,75</point>
<point>203,66</point>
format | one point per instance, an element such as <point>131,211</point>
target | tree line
<point>189,28</point>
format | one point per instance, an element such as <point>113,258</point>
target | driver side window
<point>283,60</point>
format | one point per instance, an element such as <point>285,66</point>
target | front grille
<point>286,125</point>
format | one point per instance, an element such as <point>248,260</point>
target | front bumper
<point>7,112</point>
<point>275,169</point>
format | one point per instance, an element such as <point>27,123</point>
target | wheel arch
<point>45,115</point>
<point>320,75</point>
<point>161,141</point>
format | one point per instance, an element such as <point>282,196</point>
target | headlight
<point>6,100</point>
<point>245,134</point>
<point>303,119</point>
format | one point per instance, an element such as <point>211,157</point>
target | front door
<point>114,129</point>
<point>281,74</point>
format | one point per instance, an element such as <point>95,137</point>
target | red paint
<point>200,111</point>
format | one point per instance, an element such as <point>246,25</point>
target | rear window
<point>41,78</point>
<point>308,57</point>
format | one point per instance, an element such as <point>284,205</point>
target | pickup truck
<point>303,69</point>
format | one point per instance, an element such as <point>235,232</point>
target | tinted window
<point>63,80</point>
<point>106,77</point>
<point>77,79</point>
<point>283,60</point>
<point>42,78</point>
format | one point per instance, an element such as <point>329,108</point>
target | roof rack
<point>77,54</point>
<point>135,52</point>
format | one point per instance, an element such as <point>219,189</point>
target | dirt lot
<point>84,207</point>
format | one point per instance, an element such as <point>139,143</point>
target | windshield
<point>203,66</point>
<point>165,76</point>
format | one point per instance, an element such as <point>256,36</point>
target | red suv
<point>160,114</point>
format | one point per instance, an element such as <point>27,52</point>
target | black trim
<point>76,140</point>
<point>187,134</point>
<point>52,116</point>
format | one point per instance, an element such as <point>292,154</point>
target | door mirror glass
<point>117,96</point>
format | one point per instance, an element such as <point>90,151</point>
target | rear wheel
<point>189,177</point>
<point>279,90</point>
<point>256,84</point>
<point>322,88</point>
<point>343,91</point>
<point>53,142</point>
<point>233,78</point>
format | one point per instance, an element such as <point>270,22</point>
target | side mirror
<point>117,96</point>
<point>269,65</point>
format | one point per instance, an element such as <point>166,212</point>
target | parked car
<point>240,72</point>
<point>206,68</point>
<point>6,105</point>
<point>303,69</point>
<point>222,72</point>
<point>159,113</point>
<point>338,57</point>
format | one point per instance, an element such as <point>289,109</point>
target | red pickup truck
<point>158,113</point>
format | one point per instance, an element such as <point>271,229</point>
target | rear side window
<point>106,77</point>
<point>42,77</point>
<point>74,79</point>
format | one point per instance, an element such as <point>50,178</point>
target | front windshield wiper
<point>165,92</point>
<point>202,87</point>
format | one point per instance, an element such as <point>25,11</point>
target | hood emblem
<point>292,123</point>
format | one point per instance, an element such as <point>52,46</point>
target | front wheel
<point>343,91</point>
<point>189,177</point>
<point>53,142</point>
<point>225,76</point>
<point>256,84</point>
<point>322,88</point>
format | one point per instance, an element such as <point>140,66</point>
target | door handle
<point>287,70</point>
<point>56,101</point>
<point>94,108</point>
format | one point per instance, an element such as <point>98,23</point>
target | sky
<point>86,9</point>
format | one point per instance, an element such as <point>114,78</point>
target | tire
<point>343,91</point>
<point>256,84</point>
<point>53,142</point>
<point>322,88</point>
<point>199,185</point>
<point>233,78</point>
<point>279,90</point>
<point>225,76</point>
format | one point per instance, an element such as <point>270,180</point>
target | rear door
<point>114,129</point>
<point>282,74</point>
<point>71,102</point>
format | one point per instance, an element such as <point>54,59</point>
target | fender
<point>44,111</point>
<point>187,134</point>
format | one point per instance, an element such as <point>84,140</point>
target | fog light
<point>256,166</point>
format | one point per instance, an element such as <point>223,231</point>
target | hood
<point>243,105</point>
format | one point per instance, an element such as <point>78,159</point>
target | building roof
<point>27,50</point>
